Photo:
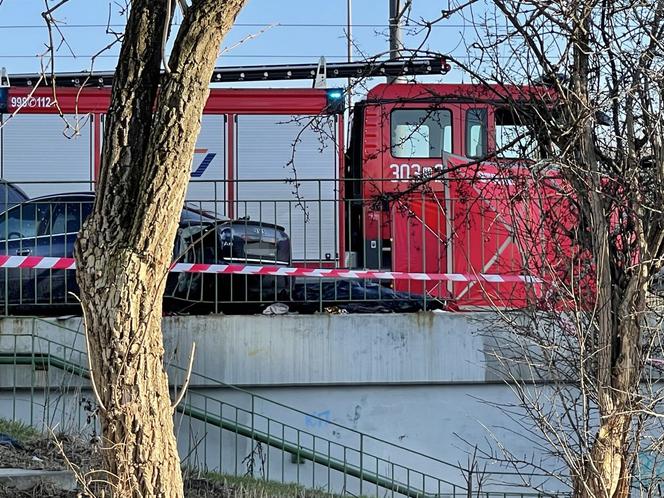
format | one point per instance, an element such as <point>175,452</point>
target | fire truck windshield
<point>421,133</point>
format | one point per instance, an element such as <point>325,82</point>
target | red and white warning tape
<point>45,263</point>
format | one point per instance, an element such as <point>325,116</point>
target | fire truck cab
<point>408,210</point>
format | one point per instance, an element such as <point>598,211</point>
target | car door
<point>56,237</point>
<point>18,231</point>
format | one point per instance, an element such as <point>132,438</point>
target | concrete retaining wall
<point>421,380</point>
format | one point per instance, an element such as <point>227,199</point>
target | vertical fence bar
<point>253,411</point>
<point>221,438</point>
<point>14,378</point>
<point>408,479</point>
<point>205,411</point>
<point>260,238</point>
<point>236,441</point>
<point>283,453</point>
<point>320,225</point>
<point>216,259</point>
<point>4,235</point>
<point>425,268</point>
<point>361,461</point>
<point>32,374</point>
<point>345,471</point>
<point>267,473</point>
<point>297,459</point>
<point>313,464</point>
<point>329,462</point>
<point>191,432</point>
<point>424,484</point>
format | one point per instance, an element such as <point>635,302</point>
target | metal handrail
<point>219,383</point>
<point>45,360</point>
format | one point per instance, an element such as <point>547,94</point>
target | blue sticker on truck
<point>198,172</point>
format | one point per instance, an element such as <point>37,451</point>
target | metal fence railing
<point>321,224</point>
<point>226,429</point>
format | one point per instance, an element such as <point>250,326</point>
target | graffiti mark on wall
<point>318,419</point>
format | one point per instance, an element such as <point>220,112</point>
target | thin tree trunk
<point>607,472</point>
<point>124,249</point>
<point>604,473</point>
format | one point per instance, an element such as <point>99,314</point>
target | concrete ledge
<point>329,349</point>
<point>290,350</point>
<point>25,479</point>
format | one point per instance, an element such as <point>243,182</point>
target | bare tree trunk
<point>607,471</point>
<point>604,473</point>
<point>125,248</point>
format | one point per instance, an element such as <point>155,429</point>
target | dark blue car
<point>48,226</point>
<point>10,195</point>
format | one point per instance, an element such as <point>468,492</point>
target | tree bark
<point>607,472</point>
<point>125,248</point>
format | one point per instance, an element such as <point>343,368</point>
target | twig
<point>247,38</point>
<point>87,346</point>
<point>164,37</point>
<point>76,470</point>
<point>187,378</point>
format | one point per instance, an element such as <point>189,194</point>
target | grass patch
<point>250,487</point>
<point>23,433</point>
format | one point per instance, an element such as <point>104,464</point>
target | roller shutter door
<point>309,211</point>
<point>34,149</point>
<point>207,188</point>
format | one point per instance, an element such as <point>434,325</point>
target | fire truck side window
<point>476,133</point>
<point>513,139</point>
<point>421,132</point>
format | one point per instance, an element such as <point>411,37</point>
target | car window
<point>22,222</point>
<point>10,194</point>
<point>66,217</point>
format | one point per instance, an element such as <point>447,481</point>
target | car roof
<point>190,213</point>
<point>10,194</point>
<point>64,195</point>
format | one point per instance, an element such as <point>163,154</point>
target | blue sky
<point>304,30</point>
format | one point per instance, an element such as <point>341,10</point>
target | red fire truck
<point>278,155</point>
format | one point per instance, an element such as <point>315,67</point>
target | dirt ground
<point>44,454</point>
<point>194,488</point>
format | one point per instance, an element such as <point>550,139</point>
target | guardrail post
<point>253,411</point>
<point>361,461</point>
